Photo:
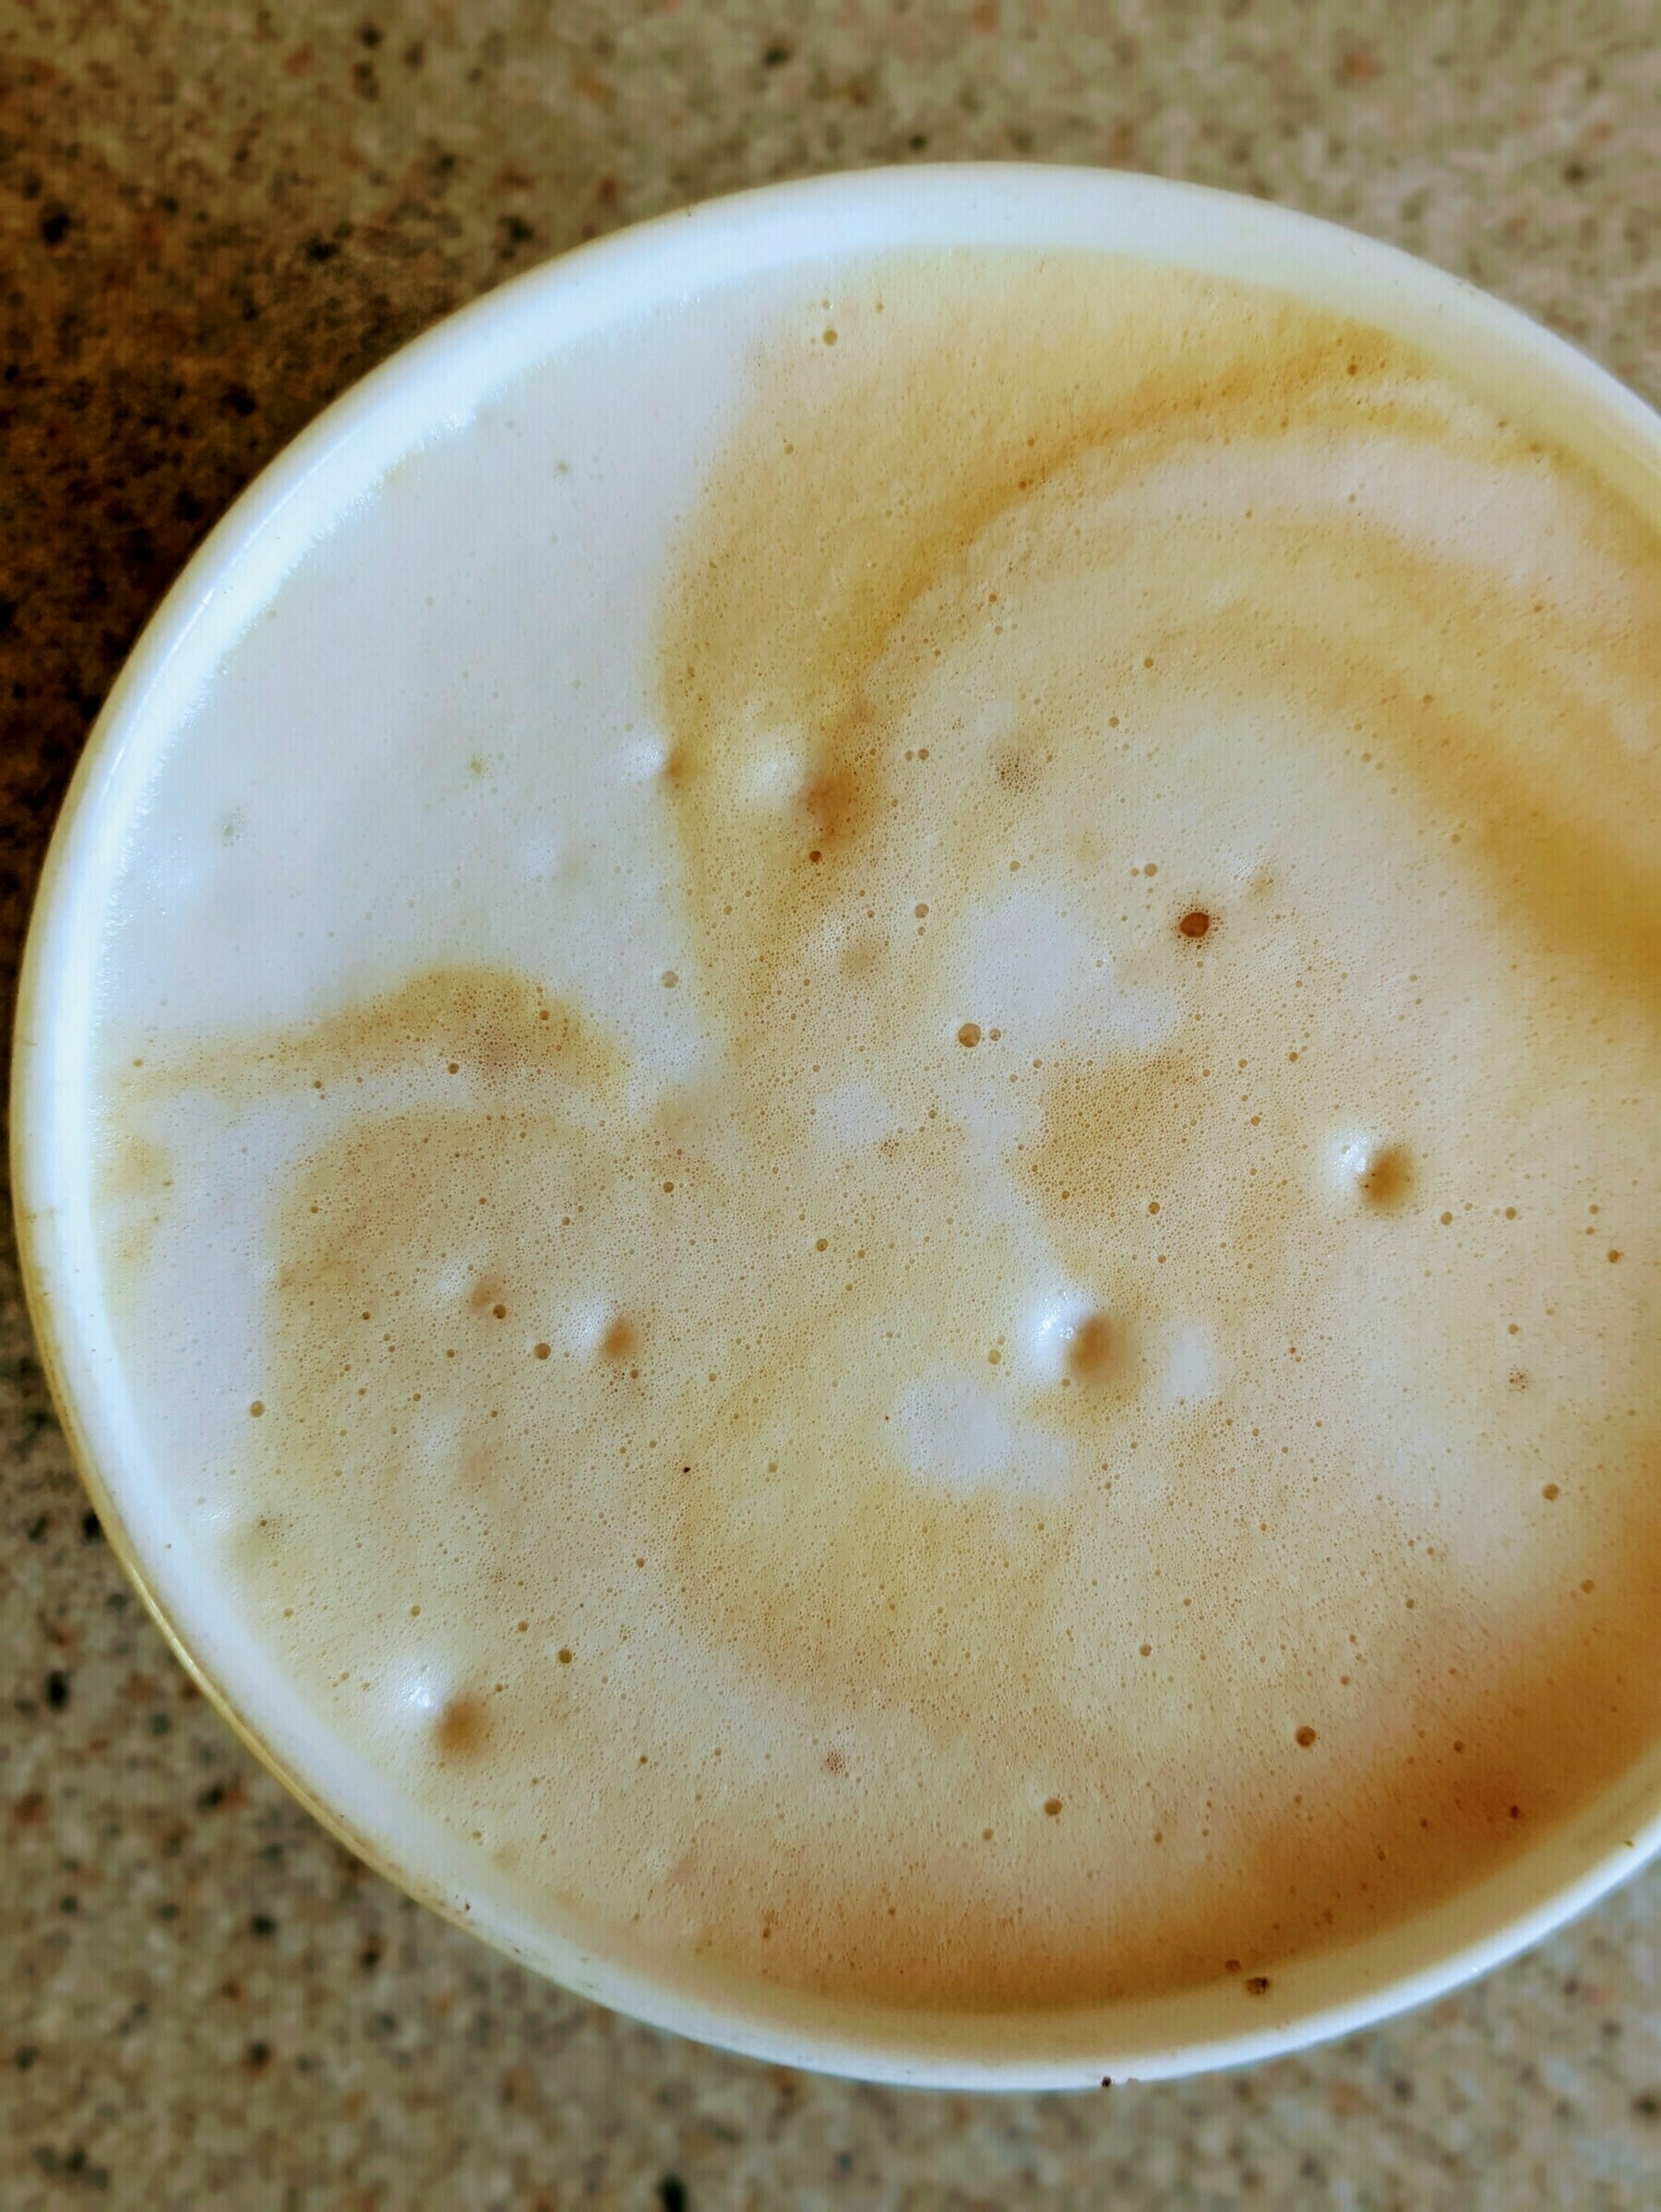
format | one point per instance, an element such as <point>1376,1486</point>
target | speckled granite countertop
<point>214,219</point>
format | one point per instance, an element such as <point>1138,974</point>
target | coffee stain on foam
<point>476,1022</point>
<point>910,652</point>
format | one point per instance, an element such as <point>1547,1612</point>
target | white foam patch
<point>539,859</point>
<point>777,769</point>
<point>438,1445</point>
<point>853,1116</point>
<point>1022,968</point>
<point>642,759</point>
<point>1529,531</point>
<point>1192,1372</point>
<point>1354,1156</point>
<point>417,1697</point>
<point>1030,968</point>
<point>959,1435</point>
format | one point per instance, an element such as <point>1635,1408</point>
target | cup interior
<point>433,391</point>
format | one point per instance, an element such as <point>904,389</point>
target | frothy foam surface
<point>1088,1424</point>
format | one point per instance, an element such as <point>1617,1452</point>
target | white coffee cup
<point>433,386</point>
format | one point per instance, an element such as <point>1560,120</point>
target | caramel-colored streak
<point>474,1023</point>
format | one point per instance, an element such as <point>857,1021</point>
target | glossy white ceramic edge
<point>432,386</point>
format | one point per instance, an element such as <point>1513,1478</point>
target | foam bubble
<point>1072,1338</point>
<point>599,1329</point>
<point>1369,1169</point>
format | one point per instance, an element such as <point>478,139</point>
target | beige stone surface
<point>215,217</point>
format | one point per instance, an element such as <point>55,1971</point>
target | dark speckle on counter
<point>211,223</point>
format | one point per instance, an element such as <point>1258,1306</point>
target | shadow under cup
<point>426,393</point>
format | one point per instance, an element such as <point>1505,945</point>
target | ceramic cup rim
<point>418,392</point>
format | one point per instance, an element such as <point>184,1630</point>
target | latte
<point>905,1231</point>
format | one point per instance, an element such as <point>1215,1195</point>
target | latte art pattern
<point>1095,1430</point>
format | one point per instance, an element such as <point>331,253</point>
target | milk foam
<point>948,1282</point>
